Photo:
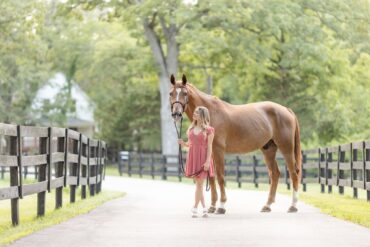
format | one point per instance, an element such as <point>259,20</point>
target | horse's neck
<point>196,98</point>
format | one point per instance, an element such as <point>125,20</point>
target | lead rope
<point>181,163</point>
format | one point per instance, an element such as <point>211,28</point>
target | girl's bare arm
<point>209,149</point>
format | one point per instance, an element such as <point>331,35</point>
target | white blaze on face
<point>178,90</point>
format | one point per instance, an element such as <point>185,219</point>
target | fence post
<point>140,165</point>
<point>105,154</point>
<point>238,173</point>
<point>164,170</point>
<point>59,171</point>
<point>341,158</point>
<point>120,163</point>
<point>14,180</point>
<point>354,171</point>
<point>255,172</point>
<point>96,158</point>
<point>90,168</point>
<point>99,175</point>
<point>364,166</point>
<point>83,168</point>
<point>65,157</point>
<point>42,177</point>
<point>326,168</point>
<point>75,168</point>
<point>367,171</point>
<point>152,165</point>
<point>49,158</point>
<point>20,154</point>
<point>304,159</point>
<point>129,164</point>
<point>322,158</point>
<point>329,172</point>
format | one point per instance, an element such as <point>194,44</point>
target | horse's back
<point>254,124</point>
<point>264,111</point>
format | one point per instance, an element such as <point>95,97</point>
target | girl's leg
<point>199,192</point>
<point>202,196</point>
<point>204,211</point>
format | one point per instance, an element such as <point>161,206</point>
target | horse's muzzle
<point>177,116</point>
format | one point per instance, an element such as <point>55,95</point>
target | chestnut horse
<point>241,129</point>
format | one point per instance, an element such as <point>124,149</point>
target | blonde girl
<point>199,161</point>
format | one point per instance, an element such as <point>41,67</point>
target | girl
<point>199,160</point>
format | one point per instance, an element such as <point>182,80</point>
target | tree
<point>23,62</point>
<point>303,54</point>
<point>109,69</point>
<point>160,22</point>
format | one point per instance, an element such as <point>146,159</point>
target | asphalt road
<point>157,213</point>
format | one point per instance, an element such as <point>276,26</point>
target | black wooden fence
<point>343,166</point>
<point>64,158</point>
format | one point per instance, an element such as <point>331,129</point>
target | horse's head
<point>178,98</point>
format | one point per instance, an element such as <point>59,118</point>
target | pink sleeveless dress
<point>197,154</point>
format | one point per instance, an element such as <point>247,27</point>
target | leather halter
<point>183,105</point>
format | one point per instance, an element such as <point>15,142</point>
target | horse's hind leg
<point>220,173</point>
<point>269,153</point>
<point>294,176</point>
<point>212,183</point>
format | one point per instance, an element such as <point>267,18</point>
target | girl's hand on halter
<point>181,142</point>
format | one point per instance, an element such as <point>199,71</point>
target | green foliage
<point>301,54</point>
<point>126,99</point>
<point>309,55</point>
<point>23,65</point>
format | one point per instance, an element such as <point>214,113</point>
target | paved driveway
<point>157,213</point>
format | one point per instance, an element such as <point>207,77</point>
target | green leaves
<point>301,54</point>
<point>23,65</point>
<point>309,55</point>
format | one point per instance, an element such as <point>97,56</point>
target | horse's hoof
<point>266,209</point>
<point>292,209</point>
<point>221,211</point>
<point>211,209</point>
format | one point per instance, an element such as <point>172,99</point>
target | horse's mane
<point>209,98</point>
<point>202,94</point>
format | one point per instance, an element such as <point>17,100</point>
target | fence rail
<point>64,158</point>
<point>343,166</point>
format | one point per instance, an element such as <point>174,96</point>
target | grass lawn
<point>29,223</point>
<point>340,206</point>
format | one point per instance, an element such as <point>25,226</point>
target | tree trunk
<point>167,65</point>
<point>168,131</point>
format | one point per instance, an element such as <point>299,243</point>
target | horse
<point>266,126</point>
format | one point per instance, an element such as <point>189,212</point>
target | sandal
<point>194,212</point>
<point>205,213</point>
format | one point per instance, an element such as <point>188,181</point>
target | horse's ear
<point>173,81</point>
<point>184,80</point>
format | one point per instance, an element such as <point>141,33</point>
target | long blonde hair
<point>204,118</point>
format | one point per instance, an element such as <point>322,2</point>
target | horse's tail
<point>297,147</point>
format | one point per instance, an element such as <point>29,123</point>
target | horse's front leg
<point>220,173</point>
<point>212,183</point>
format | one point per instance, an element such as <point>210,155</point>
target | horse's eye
<point>171,94</point>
